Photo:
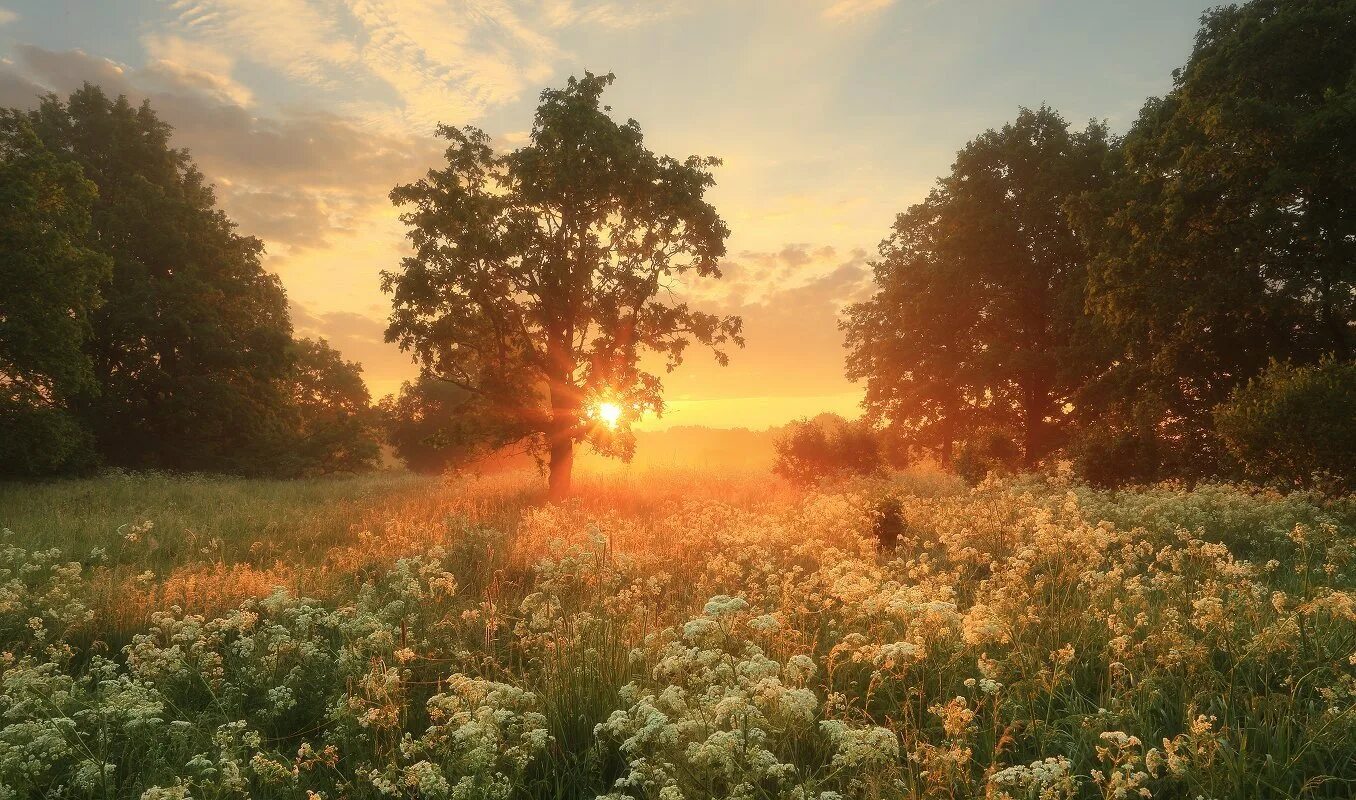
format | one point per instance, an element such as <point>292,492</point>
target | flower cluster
<point>1029,638</point>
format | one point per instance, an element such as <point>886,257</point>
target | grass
<point>673,634</point>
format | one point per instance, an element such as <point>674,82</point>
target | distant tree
<point>190,350</point>
<point>986,452</point>
<point>828,446</point>
<point>541,276</point>
<point>978,319</point>
<point>1227,236</point>
<point>335,426</point>
<point>1295,424</point>
<point>49,286</point>
<point>425,426</point>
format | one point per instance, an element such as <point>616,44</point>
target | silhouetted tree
<point>1295,425</point>
<point>539,276</point>
<point>190,348</point>
<point>828,446</point>
<point>978,318</point>
<point>425,426</point>
<point>1227,236</point>
<point>49,286</point>
<point>334,425</point>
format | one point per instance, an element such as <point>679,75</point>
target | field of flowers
<point>674,636</point>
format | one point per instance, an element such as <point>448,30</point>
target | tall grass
<point>675,635</point>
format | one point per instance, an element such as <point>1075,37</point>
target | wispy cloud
<point>412,62</point>
<point>840,10</point>
<point>293,36</point>
<point>195,64</point>
<point>295,178</point>
<point>615,15</point>
<point>7,16</point>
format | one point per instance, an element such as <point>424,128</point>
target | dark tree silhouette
<point>49,287</point>
<point>541,276</point>
<point>1228,235</point>
<point>978,319</point>
<point>190,347</point>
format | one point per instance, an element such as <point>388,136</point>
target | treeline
<point>1174,302</point>
<point>138,329</point>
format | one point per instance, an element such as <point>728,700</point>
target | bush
<point>827,446</point>
<point>39,442</point>
<point>1295,424</point>
<point>987,451</point>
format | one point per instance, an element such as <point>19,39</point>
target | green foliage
<point>138,328</point>
<point>426,426</point>
<point>49,287</point>
<point>978,317</point>
<point>536,280</point>
<point>827,447</point>
<point>190,346</point>
<point>987,452</point>
<point>334,425</point>
<point>40,441</point>
<point>1226,237</point>
<point>1032,636</point>
<point>1295,424</point>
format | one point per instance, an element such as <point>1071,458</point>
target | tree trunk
<point>1033,424</point>
<point>565,410</point>
<point>561,464</point>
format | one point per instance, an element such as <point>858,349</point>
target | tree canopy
<point>540,277</point>
<point>1226,236</point>
<point>49,288</point>
<point>190,344</point>
<point>1098,297</point>
<point>139,328</point>
<point>978,318</point>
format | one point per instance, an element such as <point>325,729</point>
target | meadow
<point>675,634</point>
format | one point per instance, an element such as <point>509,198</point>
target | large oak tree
<point>1228,234</point>
<point>542,276</point>
<point>190,348</point>
<point>978,322</point>
<point>49,288</point>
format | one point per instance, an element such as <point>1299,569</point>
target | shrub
<point>38,442</point>
<point>987,451</point>
<point>1295,424</point>
<point>827,446</point>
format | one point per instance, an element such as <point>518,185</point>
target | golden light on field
<point>609,413</point>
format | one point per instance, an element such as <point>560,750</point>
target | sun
<point>609,413</point>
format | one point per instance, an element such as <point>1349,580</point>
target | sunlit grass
<point>686,629</point>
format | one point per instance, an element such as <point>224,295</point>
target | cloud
<point>841,10</point>
<point>17,91</point>
<point>294,36</point>
<point>360,338</point>
<point>182,63</point>
<point>424,61</point>
<point>614,15</point>
<point>790,300</point>
<point>7,16</point>
<point>294,179</point>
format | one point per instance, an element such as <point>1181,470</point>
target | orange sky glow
<point>831,117</point>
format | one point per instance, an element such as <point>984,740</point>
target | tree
<point>1226,237</point>
<point>978,319</point>
<point>333,421</point>
<point>190,350</point>
<point>828,446</point>
<point>421,423</point>
<point>540,277</point>
<point>1295,424</point>
<point>49,286</point>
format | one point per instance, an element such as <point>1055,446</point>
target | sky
<point>831,116</point>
